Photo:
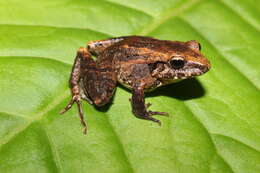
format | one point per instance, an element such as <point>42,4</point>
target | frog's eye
<point>177,63</point>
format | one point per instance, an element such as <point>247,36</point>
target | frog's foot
<point>148,116</point>
<point>151,113</point>
<point>147,105</point>
<point>77,99</point>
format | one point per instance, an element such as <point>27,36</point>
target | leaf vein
<point>238,14</point>
<point>120,144</point>
<point>47,109</point>
<point>234,139</point>
<point>208,134</point>
<point>167,15</point>
<point>125,6</point>
<point>56,159</point>
<point>58,27</point>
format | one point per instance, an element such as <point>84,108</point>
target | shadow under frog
<point>183,90</point>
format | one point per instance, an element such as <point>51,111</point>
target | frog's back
<point>142,48</point>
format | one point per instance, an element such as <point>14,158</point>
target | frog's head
<point>184,60</point>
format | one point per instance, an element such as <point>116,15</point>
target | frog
<point>139,63</point>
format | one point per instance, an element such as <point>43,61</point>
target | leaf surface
<point>214,122</point>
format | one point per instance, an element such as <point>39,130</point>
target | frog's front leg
<point>139,107</point>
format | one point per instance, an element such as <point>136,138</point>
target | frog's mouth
<point>190,70</point>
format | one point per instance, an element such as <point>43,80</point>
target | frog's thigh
<point>99,85</point>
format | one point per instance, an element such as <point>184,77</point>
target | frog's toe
<point>151,113</point>
<point>154,120</point>
<point>147,105</point>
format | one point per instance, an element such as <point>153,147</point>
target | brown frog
<point>137,62</point>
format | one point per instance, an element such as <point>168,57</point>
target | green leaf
<point>214,122</point>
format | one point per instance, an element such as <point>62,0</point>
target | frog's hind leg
<point>83,57</point>
<point>91,82</point>
<point>100,83</point>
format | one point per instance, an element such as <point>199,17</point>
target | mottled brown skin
<point>139,63</point>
